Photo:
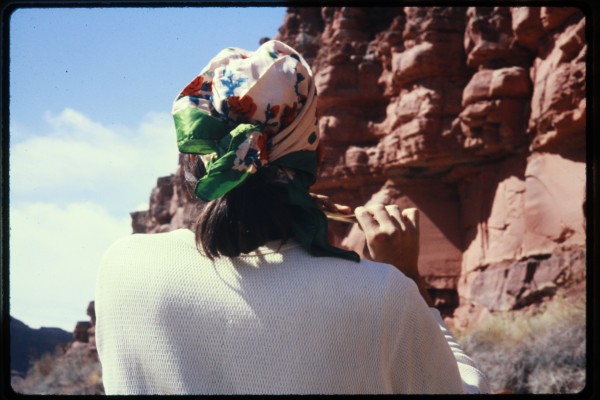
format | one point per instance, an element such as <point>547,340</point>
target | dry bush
<point>540,352</point>
<point>76,372</point>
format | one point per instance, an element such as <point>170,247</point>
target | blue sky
<point>90,131</point>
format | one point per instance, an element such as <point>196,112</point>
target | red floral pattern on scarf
<point>288,115</point>
<point>263,152</point>
<point>243,106</point>
<point>193,88</point>
<point>274,111</point>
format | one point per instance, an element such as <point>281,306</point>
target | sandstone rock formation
<point>172,205</point>
<point>84,335</point>
<point>475,115</point>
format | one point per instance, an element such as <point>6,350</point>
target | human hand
<point>392,236</point>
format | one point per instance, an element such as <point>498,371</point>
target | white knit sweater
<point>170,321</point>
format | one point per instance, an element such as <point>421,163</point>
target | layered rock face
<point>474,115</point>
<point>84,335</point>
<point>172,205</point>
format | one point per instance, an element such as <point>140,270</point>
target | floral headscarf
<point>257,110</point>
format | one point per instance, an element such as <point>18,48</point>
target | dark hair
<point>244,219</point>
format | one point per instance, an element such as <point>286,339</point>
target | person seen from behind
<point>257,301</point>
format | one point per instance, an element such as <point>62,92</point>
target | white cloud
<point>55,253</point>
<point>79,160</point>
<point>72,187</point>
<point>71,124</point>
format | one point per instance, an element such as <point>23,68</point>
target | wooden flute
<point>347,218</point>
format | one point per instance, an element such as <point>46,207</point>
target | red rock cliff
<point>475,115</point>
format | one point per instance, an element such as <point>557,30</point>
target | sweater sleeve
<point>421,362</point>
<point>473,379</point>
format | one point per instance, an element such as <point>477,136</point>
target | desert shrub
<point>76,372</point>
<point>44,365</point>
<point>541,352</point>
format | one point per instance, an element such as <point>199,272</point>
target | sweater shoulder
<point>394,280</point>
<point>129,250</point>
<point>152,240</point>
<point>367,279</point>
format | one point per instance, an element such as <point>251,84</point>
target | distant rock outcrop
<point>475,115</point>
